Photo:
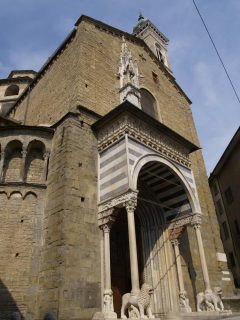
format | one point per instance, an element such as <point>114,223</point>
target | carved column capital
<point>24,153</point>
<point>175,242</point>
<point>196,221</point>
<point>131,205</point>
<point>107,217</point>
<point>131,202</point>
<point>46,155</point>
<point>106,227</point>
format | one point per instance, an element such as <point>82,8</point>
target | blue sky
<point>32,29</point>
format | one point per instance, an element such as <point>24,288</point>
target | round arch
<point>12,90</point>
<point>156,158</point>
<point>35,161</point>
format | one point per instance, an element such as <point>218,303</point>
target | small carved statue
<point>108,301</point>
<point>138,306</point>
<point>184,302</point>
<point>210,300</point>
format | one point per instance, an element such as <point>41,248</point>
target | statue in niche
<point>138,306</point>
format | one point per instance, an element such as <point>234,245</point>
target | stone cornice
<point>24,79</point>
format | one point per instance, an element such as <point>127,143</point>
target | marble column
<point>183,300</point>
<point>130,207</point>
<point>196,223</point>
<point>108,294</point>
<point>175,244</point>
<point>23,165</point>
<point>45,166</point>
<point>2,165</point>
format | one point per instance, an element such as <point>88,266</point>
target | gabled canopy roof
<point>130,108</point>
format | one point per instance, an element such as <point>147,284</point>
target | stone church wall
<point>21,214</point>
<point>70,273</point>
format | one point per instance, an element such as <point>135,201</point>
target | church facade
<point>103,186</point>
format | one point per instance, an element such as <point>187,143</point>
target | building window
<point>237,226</point>
<point>219,207</point>
<point>225,230</point>
<point>231,259</point>
<point>12,90</point>
<point>159,53</point>
<point>228,195</point>
<point>215,188</point>
<point>155,77</point>
<point>148,103</point>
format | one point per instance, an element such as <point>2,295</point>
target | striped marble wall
<point>113,171</point>
<point>116,167</point>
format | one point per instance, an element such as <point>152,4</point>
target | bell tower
<point>154,39</point>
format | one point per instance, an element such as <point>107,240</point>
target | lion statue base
<point>210,300</point>
<point>138,306</point>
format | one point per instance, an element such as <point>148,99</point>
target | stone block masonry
<point>70,270</point>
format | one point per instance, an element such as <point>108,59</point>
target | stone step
<point>202,316</point>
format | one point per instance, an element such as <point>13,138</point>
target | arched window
<point>148,103</point>
<point>12,90</point>
<point>13,161</point>
<point>35,162</point>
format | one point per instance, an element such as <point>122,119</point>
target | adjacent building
<point>225,187</point>
<point>12,87</point>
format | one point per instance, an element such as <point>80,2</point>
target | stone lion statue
<point>138,306</point>
<point>210,300</point>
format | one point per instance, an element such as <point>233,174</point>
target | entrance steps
<point>215,315</point>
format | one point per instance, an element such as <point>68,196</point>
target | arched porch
<point>147,223</point>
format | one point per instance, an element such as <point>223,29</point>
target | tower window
<point>12,90</point>
<point>159,53</point>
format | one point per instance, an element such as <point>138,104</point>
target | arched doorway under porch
<point>161,199</point>
<point>143,247</point>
